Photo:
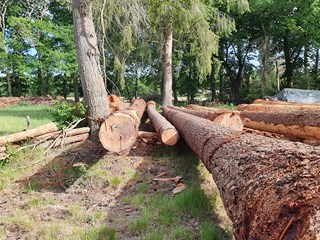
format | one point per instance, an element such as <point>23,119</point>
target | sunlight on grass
<point>14,118</point>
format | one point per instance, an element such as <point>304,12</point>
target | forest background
<point>222,49</point>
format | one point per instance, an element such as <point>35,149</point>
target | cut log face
<point>166,131</point>
<point>227,118</point>
<point>119,132</point>
<point>16,137</point>
<point>270,187</point>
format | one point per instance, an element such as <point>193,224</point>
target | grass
<point>15,118</point>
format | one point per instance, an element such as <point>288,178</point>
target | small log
<point>143,134</point>
<point>21,136</point>
<point>269,187</point>
<point>72,139</point>
<point>115,103</point>
<point>166,131</point>
<point>67,133</point>
<point>119,132</point>
<point>303,124</point>
<point>227,118</point>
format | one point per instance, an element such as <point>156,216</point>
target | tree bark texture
<point>68,133</point>
<point>166,131</point>
<point>95,94</point>
<point>227,118</point>
<point>302,124</point>
<point>269,187</point>
<point>275,102</point>
<point>167,71</point>
<point>119,132</point>
<point>277,108</point>
<point>16,137</point>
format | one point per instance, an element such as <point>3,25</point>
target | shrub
<point>64,113</point>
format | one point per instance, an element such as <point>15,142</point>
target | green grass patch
<point>99,233</point>
<point>14,118</point>
<point>208,231</point>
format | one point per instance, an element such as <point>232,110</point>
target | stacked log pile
<point>270,187</point>
<point>298,121</point>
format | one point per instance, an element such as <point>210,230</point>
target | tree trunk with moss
<point>95,94</point>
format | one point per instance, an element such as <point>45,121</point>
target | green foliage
<point>209,231</point>
<point>65,113</point>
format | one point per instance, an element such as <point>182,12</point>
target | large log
<point>303,124</point>
<point>269,187</point>
<point>167,133</point>
<point>277,107</point>
<point>275,102</point>
<point>119,132</point>
<point>71,139</point>
<point>227,118</point>
<point>21,136</point>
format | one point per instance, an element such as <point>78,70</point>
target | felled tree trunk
<point>119,132</point>
<point>71,139</point>
<point>227,118</point>
<point>2,149</point>
<point>277,107</point>
<point>303,124</point>
<point>16,137</point>
<point>274,102</point>
<point>67,133</point>
<point>167,133</point>
<point>270,188</point>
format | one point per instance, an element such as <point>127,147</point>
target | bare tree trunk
<point>305,67</point>
<point>76,88</point>
<point>316,69</point>
<point>167,83</point>
<point>95,94</point>
<point>278,75</point>
<point>265,61</point>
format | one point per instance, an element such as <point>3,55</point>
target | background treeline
<point>222,49</point>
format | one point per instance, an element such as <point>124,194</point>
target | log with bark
<point>270,188</point>
<point>277,107</point>
<point>67,133</point>
<point>167,133</point>
<point>275,102</point>
<point>303,124</point>
<point>21,136</point>
<point>119,132</point>
<point>227,118</point>
<point>144,134</point>
<point>64,140</point>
